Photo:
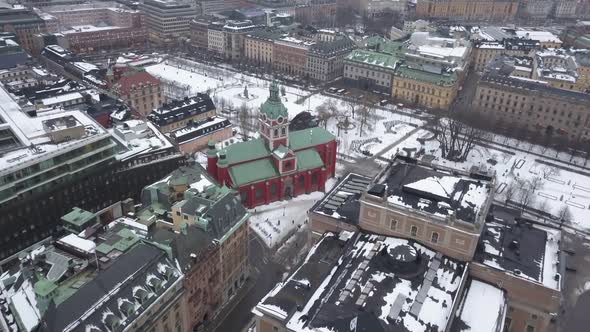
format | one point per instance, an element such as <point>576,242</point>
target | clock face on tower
<point>280,119</point>
<point>263,117</point>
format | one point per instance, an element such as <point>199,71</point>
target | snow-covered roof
<point>342,202</point>
<point>483,308</point>
<point>541,36</point>
<point>523,249</point>
<point>29,130</point>
<point>380,281</point>
<point>437,191</point>
<point>138,137</point>
<point>48,102</point>
<point>79,243</point>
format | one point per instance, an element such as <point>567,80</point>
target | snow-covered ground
<point>558,188</point>
<point>382,129</point>
<point>276,220</point>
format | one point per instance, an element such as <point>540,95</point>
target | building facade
<point>325,60</point>
<point>430,90</point>
<point>496,10</point>
<point>369,70</point>
<point>140,90</point>
<point>259,48</point>
<point>484,52</point>
<point>533,106</point>
<point>25,24</point>
<point>320,13</point>
<point>177,114</point>
<point>199,34</point>
<point>209,236</point>
<point>290,56</point>
<point>167,20</point>
<point>278,165</point>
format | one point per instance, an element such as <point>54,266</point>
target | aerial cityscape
<point>295,165</point>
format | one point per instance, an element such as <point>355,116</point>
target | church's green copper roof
<point>252,172</point>
<point>308,159</point>
<point>309,137</point>
<point>273,107</point>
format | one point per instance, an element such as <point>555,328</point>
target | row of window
<point>434,236</point>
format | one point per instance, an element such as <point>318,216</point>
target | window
<point>434,237</point>
<point>392,224</point>
<point>530,328</point>
<point>258,193</point>
<point>507,324</point>
<point>413,231</point>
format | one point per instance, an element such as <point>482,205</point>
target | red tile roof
<point>125,84</point>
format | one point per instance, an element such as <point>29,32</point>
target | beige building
<point>485,51</point>
<point>533,290</point>
<point>533,106</point>
<point>465,10</point>
<point>259,46</point>
<point>428,204</point>
<point>424,89</point>
<point>290,56</point>
<point>141,91</point>
<point>196,136</point>
<point>178,114</point>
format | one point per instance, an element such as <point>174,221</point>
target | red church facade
<point>279,164</point>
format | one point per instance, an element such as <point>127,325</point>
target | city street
<point>265,273</point>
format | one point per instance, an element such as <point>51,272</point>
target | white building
<point>167,20</point>
<point>216,40</point>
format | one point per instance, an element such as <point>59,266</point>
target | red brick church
<point>279,164</point>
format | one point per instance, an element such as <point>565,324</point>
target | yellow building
<point>466,10</point>
<point>486,51</point>
<point>435,91</point>
<point>259,47</point>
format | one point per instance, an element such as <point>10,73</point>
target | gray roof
<point>498,76</point>
<point>118,282</point>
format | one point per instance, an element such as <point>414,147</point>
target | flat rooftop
<point>389,284</point>
<point>522,248</point>
<point>32,142</point>
<point>342,202</point>
<point>483,308</point>
<point>435,190</point>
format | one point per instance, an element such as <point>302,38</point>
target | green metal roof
<point>309,137</point>
<point>78,217</point>
<point>308,159</point>
<point>252,172</point>
<point>281,151</point>
<point>447,79</point>
<point>252,149</point>
<point>387,61</point>
<point>273,107</point>
<point>44,287</point>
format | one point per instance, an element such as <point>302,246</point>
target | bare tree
<point>548,171</point>
<point>364,111</point>
<point>525,194</point>
<point>352,105</point>
<point>564,215</point>
<point>509,192</point>
<point>543,206</point>
<point>324,115</point>
<point>456,138</point>
<point>536,183</point>
<point>244,120</point>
